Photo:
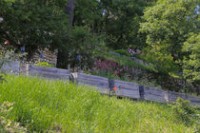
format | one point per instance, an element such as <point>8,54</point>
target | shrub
<point>189,115</point>
<point>44,64</point>
<point>183,110</point>
<point>8,53</point>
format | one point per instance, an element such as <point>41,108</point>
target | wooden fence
<point>104,85</point>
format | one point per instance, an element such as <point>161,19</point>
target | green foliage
<point>85,34</point>
<point>187,113</point>
<point>45,24</point>
<point>7,54</point>
<point>126,61</point>
<point>44,64</point>
<point>85,43</point>
<point>167,25</point>
<point>83,40</point>
<point>88,13</point>
<point>7,125</point>
<point>122,52</point>
<point>122,18</point>
<point>55,106</point>
<point>183,110</point>
<point>161,29</point>
<point>191,64</point>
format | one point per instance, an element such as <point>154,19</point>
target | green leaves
<point>122,20</point>
<point>33,23</point>
<point>191,64</point>
<point>167,25</point>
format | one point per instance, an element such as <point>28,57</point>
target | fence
<point>104,85</point>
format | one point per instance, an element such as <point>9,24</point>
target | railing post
<point>24,69</point>
<point>73,77</point>
<point>112,87</point>
<point>27,69</point>
<point>119,93</point>
<point>141,91</point>
<point>166,96</point>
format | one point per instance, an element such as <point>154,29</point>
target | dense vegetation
<point>56,106</point>
<point>146,41</point>
<point>165,32</point>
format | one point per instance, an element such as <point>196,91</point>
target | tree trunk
<point>70,6</point>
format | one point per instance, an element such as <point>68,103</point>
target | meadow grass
<point>56,106</point>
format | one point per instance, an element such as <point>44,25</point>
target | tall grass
<point>57,106</point>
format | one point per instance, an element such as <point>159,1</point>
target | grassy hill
<point>56,106</point>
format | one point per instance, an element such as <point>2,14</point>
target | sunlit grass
<point>52,106</point>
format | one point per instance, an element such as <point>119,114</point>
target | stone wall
<point>45,55</point>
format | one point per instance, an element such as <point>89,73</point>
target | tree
<point>84,34</point>
<point>122,18</point>
<point>167,25</point>
<point>34,23</point>
<point>191,64</point>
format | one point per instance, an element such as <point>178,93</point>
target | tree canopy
<point>33,23</point>
<point>167,25</point>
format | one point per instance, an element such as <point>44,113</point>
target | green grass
<point>56,106</point>
<point>124,60</point>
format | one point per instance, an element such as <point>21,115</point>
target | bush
<point>44,64</point>
<point>186,113</point>
<point>8,53</point>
